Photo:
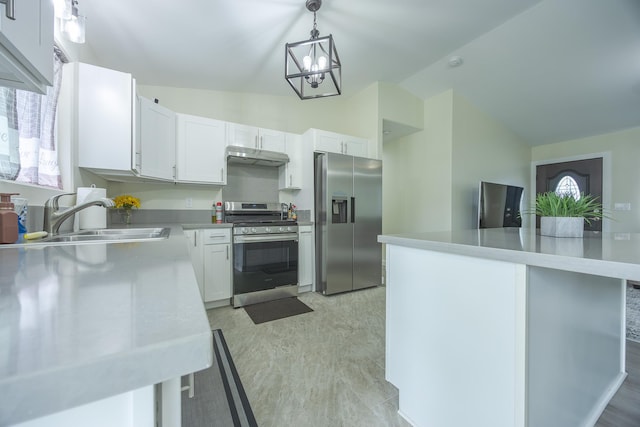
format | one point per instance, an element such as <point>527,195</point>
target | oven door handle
<point>266,238</point>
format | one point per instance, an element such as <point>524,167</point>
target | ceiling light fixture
<point>312,67</point>
<point>74,26</point>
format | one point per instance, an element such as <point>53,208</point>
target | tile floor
<point>324,368</point>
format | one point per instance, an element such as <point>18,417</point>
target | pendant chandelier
<point>312,67</point>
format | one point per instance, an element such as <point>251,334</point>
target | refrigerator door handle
<point>353,210</point>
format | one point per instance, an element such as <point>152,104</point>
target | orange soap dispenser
<point>8,219</point>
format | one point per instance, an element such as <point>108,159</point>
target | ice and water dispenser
<point>339,210</point>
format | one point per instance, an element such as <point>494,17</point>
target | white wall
<point>417,173</point>
<point>483,150</point>
<point>431,177</point>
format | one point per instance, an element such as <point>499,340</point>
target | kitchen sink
<point>107,235</point>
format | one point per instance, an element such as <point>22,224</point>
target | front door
<point>575,178</point>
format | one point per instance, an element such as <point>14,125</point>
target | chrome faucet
<point>53,217</point>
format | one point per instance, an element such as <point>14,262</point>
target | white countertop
<point>80,323</point>
<point>606,254</point>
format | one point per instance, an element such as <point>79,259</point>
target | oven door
<point>264,262</point>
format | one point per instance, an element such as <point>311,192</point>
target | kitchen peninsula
<point>94,327</point>
<point>504,327</point>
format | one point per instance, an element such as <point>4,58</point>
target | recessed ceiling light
<point>455,61</point>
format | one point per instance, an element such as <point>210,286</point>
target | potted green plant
<point>564,215</point>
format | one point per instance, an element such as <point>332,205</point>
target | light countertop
<point>80,323</point>
<point>606,254</point>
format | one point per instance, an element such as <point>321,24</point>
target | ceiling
<point>549,70</point>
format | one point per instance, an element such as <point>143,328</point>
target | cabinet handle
<point>346,148</point>
<point>261,142</point>
<point>342,147</point>
<point>290,180</point>
<point>221,174</point>
<point>256,142</point>
<point>10,10</point>
<point>227,248</point>
<point>195,239</point>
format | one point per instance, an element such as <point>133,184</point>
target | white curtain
<point>9,140</point>
<point>36,139</point>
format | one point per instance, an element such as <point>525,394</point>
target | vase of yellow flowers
<point>125,204</point>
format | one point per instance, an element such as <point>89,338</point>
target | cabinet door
<point>26,46</point>
<point>217,272</point>
<point>290,174</point>
<point>328,142</point>
<point>242,135</point>
<point>271,140</point>
<point>200,152</point>
<point>156,154</point>
<point>196,253</point>
<point>104,118</point>
<point>305,258</point>
<point>358,147</point>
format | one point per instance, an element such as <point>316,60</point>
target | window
<point>28,140</point>
<point>567,186</point>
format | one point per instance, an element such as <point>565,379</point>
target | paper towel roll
<point>93,217</point>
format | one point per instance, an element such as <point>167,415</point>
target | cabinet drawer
<point>216,236</point>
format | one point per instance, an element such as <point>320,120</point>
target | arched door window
<point>567,186</point>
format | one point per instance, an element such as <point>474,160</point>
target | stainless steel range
<point>265,252</point>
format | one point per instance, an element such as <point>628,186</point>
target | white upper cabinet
<point>26,45</point>
<point>200,150</point>
<point>290,174</point>
<point>253,137</point>
<point>105,119</point>
<point>155,155</point>
<point>121,136</point>
<point>332,142</point>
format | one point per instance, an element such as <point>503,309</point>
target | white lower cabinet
<point>195,251</point>
<point>217,272</point>
<point>210,250</point>
<point>306,258</point>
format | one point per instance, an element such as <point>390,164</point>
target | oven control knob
<point>289,229</point>
<point>253,230</point>
<point>282,229</point>
<point>244,230</point>
<point>267,229</point>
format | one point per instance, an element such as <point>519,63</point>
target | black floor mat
<point>276,309</point>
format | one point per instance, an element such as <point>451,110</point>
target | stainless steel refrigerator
<point>348,219</point>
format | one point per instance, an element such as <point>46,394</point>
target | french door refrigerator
<point>348,219</point>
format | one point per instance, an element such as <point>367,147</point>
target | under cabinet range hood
<point>252,156</point>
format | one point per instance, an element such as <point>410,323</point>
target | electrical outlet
<point>189,202</point>
<point>622,206</point>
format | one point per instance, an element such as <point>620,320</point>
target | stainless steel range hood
<point>251,156</point>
